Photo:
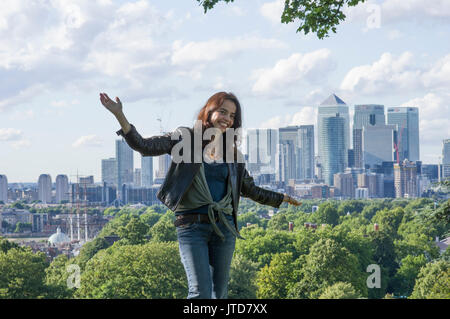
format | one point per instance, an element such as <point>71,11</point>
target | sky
<point>164,59</point>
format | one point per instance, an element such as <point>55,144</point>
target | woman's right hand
<point>114,107</point>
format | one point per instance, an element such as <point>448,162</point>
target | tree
<point>314,16</point>
<point>433,281</point>
<point>152,271</point>
<point>242,278</point>
<point>56,279</point>
<point>22,274</point>
<point>340,290</point>
<point>134,231</point>
<point>6,245</point>
<point>164,230</point>
<point>327,214</point>
<point>274,280</point>
<point>328,263</point>
<point>407,274</point>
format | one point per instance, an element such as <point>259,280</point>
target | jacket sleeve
<point>152,146</point>
<point>258,194</point>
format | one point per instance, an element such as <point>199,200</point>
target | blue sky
<point>165,58</point>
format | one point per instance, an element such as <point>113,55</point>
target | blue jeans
<point>206,258</point>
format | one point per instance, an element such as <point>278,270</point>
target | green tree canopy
<point>340,290</point>
<point>433,281</point>
<point>317,16</point>
<point>152,271</point>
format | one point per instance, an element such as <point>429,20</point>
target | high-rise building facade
<point>62,188</point>
<point>333,107</point>
<point>3,189</point>
<point>289,137</point>
<point>407,136</point>
<point>164,162</point>
<point>405,179</point>
<point>306,150</point>
<point>45,188</point>
<point>262,150</point>
<point>333,152</point>
<point>124,158</point>
<point>147,171</point>
<point>109,171</point>
<point>137,179</point>
<point>446,159</point>
<point>365,115</point>
<point>377,144</point>
<point>343,182</point>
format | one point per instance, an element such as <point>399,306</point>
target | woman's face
<point>223,117</point>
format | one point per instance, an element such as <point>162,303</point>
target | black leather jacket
<point>181,175</point>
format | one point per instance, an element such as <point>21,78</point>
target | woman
<point>203,194</point>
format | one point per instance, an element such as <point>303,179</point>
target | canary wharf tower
<point>333,130</point>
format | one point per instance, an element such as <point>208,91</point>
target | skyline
<point>165,59</point>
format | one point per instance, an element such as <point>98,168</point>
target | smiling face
<point>223,117</point>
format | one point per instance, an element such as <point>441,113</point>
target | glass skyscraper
<point>407,121</point>
<point>306,150</point>
<point>365,115</point>
<point>333,106</point>
<point>147,171</point>
<point>333,152</point>
<point>262,150</point>
<point>124,158</point>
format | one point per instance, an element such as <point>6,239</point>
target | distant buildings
<point>62,188</point>
<point>109,171</point>
<point>407,137</point>
<point>147,171</point>
<point>45,188</point>
<point>3,188</point>
<point>405,179</point>
<point>124,160</point>
<point>446,159</point>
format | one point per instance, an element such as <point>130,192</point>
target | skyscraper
<point>288,137</point>
<point>407,121</point>
<point>306,151</point>
<point>3,188</point>
<point>365,115</point>
<point>333,153</point>
<point>45,188</point>
<point>163,166</point>
<point>332,107</point>
<point>109,171</point>
<point>405,179</point>
<point>262,150</point>
<point>62,188</point>
<point>377,144</point>
<point>446,159</point>
<point>124,158</point>
<point>147,171</point>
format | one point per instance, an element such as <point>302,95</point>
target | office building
<point>124,158</point>
<point>343,182</point>
<point>137,177</point>
<point>407,134</point>
<point>446,159</point>
<point>333,152</point>
<point>289,137</point>
<point>306,151</point>
<point>377,144</point>
<point>109,171</point>
<point>164,162</point>
<point>333,107</point>
<point>146,171</point>
<point>262,150</point>
<point>3,189</point>
<point>45,188</point>
<point>365,115</point>
<point>62,188</point>
<point>405,179</point>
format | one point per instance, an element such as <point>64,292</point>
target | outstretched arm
<point>117,110</point>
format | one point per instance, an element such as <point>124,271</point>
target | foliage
<point>433,281</point>
<point>22,274</point>
<point>242,278</point>
<point>340,290</point>
<point>319,17</point>
<point>153,271</point>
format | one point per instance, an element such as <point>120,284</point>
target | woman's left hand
<point>291,200</point>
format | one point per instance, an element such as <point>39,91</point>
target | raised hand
<point>291,200</point>
<point>114,107</point>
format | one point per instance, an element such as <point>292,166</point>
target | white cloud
<point>312,67</point>
<point>272,11</point>
<point>10,134</point>
<point>88,141</point>
<point>385,74</point>
<point>439,74</point>
<point>306,116</point>
<point>217,49</point>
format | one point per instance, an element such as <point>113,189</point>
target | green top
<point>199,195</point>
